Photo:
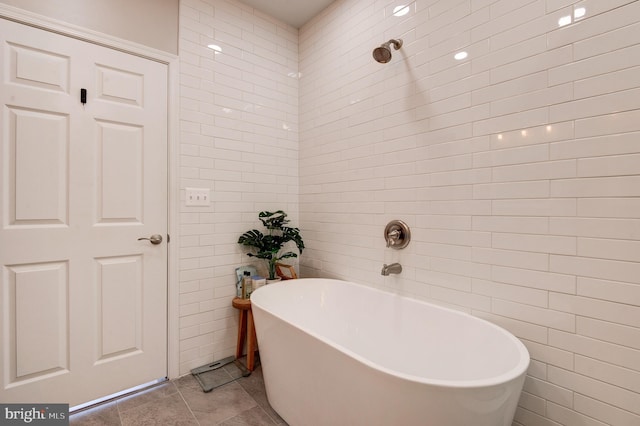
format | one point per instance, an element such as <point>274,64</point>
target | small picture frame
<point>286,272</point>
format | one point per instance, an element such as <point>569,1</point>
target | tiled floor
<point>182,402</point>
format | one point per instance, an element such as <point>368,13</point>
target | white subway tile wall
<point>517,168</point>
<point>239,138</point>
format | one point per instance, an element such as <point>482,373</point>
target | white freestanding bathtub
<point>337,353</point>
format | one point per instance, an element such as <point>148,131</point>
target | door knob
<point>154,239</point>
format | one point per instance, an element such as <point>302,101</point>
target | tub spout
<point>394,268</point>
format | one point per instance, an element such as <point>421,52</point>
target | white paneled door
<point>83,301</point>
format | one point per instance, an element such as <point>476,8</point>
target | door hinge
<point>168,238</point>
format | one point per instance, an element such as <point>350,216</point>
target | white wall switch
<point>198,196</point>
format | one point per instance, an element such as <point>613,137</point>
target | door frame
<point>173,195</point>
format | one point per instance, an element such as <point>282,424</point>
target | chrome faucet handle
<point>397,234</point>
<point>393,237</point>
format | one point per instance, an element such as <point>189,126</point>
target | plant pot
<point>275,280</point>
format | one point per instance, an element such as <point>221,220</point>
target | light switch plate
<point>198,196</point>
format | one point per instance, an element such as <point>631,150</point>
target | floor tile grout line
<point>257,403</point>
<point>274,421</point>
<point>188,406</point>
<point>118,411</point>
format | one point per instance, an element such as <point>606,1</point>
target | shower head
<point>382,54</point>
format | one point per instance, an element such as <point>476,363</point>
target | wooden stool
<point>246,327</point>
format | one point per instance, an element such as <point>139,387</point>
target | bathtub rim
<point>514,373</point>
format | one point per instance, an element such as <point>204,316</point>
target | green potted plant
<point>268,246</point>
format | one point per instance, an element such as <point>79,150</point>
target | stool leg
<point>242,330</point>
<point>251,336</point>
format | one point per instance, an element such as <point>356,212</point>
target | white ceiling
<point>293,12</point>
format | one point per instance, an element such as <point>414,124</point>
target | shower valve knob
<point>397,234</point>
<point>393,237</point>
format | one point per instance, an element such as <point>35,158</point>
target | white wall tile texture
<point>517,168</point>
<point>239,138</point>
